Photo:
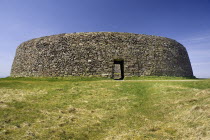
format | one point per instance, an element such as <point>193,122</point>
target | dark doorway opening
<point>118,73</point>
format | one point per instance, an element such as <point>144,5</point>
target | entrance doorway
<point>118,73</point>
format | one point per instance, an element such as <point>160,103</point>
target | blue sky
<point>187,21</point>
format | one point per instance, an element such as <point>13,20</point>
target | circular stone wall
<point>97,53</point>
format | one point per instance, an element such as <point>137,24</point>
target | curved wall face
<point>97,53</point>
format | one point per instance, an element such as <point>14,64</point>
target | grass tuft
<point>100,108</point>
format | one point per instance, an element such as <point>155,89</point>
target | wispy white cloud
<point>196,39</point>
<point>202,63</point>
<point>198,46</point>
<point>197,36</point>
<point>199,53</point>
<point>18,32</point>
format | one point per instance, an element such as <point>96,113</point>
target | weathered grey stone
<point>94,53</point>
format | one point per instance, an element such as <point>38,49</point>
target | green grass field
<point>104,109</point>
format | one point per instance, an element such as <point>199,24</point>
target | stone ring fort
<point>108,54</point>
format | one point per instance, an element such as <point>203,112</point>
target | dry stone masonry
<point>97,53</point>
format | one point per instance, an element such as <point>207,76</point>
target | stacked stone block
<point>93,53</point>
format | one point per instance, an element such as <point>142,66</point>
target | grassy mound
<point>98,108</point>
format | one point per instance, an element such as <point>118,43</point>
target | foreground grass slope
<point>94,108</point>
